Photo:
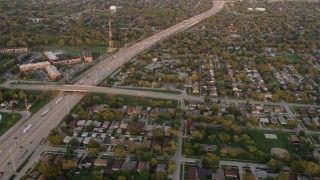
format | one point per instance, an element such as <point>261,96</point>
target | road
<point>22,145</point>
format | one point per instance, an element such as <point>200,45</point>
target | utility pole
<point>27,109</point>
<point>13,164</point>
<point>97,77</point>
<point>68,110</point>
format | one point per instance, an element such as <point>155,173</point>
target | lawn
<point>5,58</point>
<point>266,145</point>
<point>74,50</point>
<point>131,100</point>
<point>293,58</point>
<point>4,126</point>
<point>47,97</point>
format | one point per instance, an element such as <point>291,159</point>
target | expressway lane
<point>40,129</point>
<point>42,125</point>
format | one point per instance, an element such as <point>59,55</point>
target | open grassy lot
<point>7,121</point>
<point>74,50</point>
<point>131,100</point>
<point>45,97</point>
<point>266,145</point>
<point>294,58</point>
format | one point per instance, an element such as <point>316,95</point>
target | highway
<point>22,145</point>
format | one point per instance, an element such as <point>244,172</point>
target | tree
<point>93,151</point>
<point>93,144</point>
<point>157,134</point>
<point>120,151</point>
<point>293,123</point>
<point>134,117</point>
<point>246,176</point>
<point>275,165</point>
<point>282,176</point>
<point>74,142</point>
<point>209,159</point>
<point>145,175</point>
<point>171,167</point>
<point>197,135</point>
<point>224,137</point>
<point>153,162</point>
<point>54,137</point>
<point>121,178</point>
<point>253,119</point>
<point>48,170</point>
<point>233,153</point>
<point>68,164</point>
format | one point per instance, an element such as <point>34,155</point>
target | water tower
<point>113,9</point>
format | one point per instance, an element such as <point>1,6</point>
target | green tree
<point>282,176</point>
<point>48,170</point>
<point>171,167</point>
<point>209,159</point>
<point>275,165</point>
<point>153,162</point>
<point>68,164</point>
<point>120,151</point>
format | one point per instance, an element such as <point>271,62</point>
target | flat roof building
<point>53,72</point>
<point>39,65</point>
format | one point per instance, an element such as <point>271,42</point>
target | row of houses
<point>256,80</point>
<point>14,50</point>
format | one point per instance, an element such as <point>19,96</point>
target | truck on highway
<point>27,128</point>
<point>59,100</point>
<point>45,112</point>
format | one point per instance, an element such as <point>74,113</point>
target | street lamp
<point>68,105</point>
<point>14,166</point>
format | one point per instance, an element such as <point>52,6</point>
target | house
<point>116,165</point>
<point>129,110</point>
<point>87,161</point>
<point>161,168</point>
<point>87,55</point>
<point>192,173</point>
<point>278,110</point>
<point>100,162</point>
<point>106,124</point>
<point>67,139</point>
<point>131,165</point>
<point>46,158</point>
<point>306,121</point>
<point>81,123</point>
<point>203,173</point>
<point>219,175</point>
<point>294,139</point>
<point>86,140</point>
<point>282,120</point>
<point>264,120</point>
<point>195,88</point>
<point>232,173</point>
<point>262,174</point>
<point>58,159</point>
<point>141,166</point>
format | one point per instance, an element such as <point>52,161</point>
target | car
<point>21,147</point>
<point>1,173</point>
<point>9,163</point>
<point>15,137</point>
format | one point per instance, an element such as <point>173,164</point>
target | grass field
<point>47,96</point>
<point>4,58</point>
<point>294,58</point>
<point>74,50</point>
<point>266,145</point>
<point>4,126</point>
